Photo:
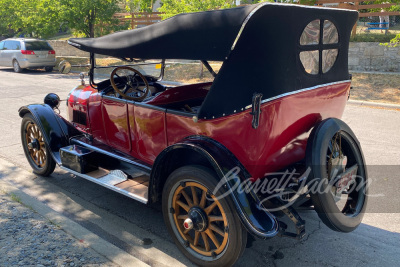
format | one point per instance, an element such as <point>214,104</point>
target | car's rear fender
<point>199,150</point>
<point>56,130</point>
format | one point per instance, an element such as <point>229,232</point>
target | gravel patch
<point>28,239</point>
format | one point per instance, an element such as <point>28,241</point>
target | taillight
<point>52,52</point>
<point>27,52</point>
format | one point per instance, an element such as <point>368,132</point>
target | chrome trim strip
<point>113,98</point>
<point>264,4</point>
<point>74,44</point>
<point>111,154</point>
<point>299,91</point>
<point>114,188</point>
<point>245,23</point>
<point>303,90</point>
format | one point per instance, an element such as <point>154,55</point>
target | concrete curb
<point>104,248</point>
<point>373,104</point>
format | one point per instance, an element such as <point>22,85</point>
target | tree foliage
<point>174,7</point>
<point>44,18</point>
<point>90,17</point>
<point>139,5</point>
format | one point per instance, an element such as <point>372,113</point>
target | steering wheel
<point>130,78</point>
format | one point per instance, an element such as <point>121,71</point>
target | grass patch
<point>365,35</point>
<point>384,88</point>
<point>15,198</point>
<point>373,37</point>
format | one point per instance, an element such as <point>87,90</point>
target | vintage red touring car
<point>209,150</point>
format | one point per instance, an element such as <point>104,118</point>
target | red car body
<point>144,132</point>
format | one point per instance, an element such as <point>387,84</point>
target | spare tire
<point>338,181</point>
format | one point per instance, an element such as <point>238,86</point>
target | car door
<point>7,54</point>
<point>116,123</point>
<point>1,52</point>
<point>148,130</point>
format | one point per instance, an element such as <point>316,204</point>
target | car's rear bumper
<point>24,63</point>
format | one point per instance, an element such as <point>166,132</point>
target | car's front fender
<point>56,130</point>
<point>230,171</point>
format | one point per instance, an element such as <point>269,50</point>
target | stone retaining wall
<point>63,49</point>
<point>373,57</point>
<point>362,56</point>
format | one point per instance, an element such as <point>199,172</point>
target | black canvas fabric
<point>202,35</point>
<point>265,59</point>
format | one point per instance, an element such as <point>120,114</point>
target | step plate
<point>137,190</point>
<point>113,178</point>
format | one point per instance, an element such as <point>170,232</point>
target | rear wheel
<point>35,148</point>
<point>205,228</point>
<point>16,66</point>
<point>48,69</point>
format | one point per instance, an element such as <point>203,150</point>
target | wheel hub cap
<point>188,224</point>
<point>197,219</point>
<point>34,144</point>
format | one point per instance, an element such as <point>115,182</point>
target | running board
<point>135,188</point>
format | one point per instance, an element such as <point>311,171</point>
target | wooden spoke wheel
<point>35,148</point>
<point>205,228</point>
<point>200,219</point>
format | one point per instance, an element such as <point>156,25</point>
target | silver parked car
<point>22,53</point>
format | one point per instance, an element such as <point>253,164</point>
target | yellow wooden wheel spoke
<point>203,199</point>
<point>187,198</point>
<point>210,208</point>
<point>183,205</point>
<point>213,218</point>
<point>205,240</point>
<point>213,238</point>
<point>196,238</point>
<point>194,195</point>
<point>183,217</point>
<point>35,131</point>
<point>217,230</point>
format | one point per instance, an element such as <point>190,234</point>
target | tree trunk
<point>91,23</point>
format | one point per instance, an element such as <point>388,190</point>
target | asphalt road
<point>139,229</point>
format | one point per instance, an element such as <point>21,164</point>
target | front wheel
<point>35,148</point>
<point>205,228</point>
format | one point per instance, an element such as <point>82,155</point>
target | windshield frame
<point>93,66</point>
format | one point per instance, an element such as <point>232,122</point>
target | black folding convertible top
<point>259,44</point>
<point>202,35</point>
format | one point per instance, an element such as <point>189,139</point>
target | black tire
<point>48,69</point>
<point>321,142</point>
<point>16,66</point>
<point>228,230</point>
<point>35,148</point>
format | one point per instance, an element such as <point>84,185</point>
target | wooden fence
<point>356,5</point>
<point>139,19</point>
